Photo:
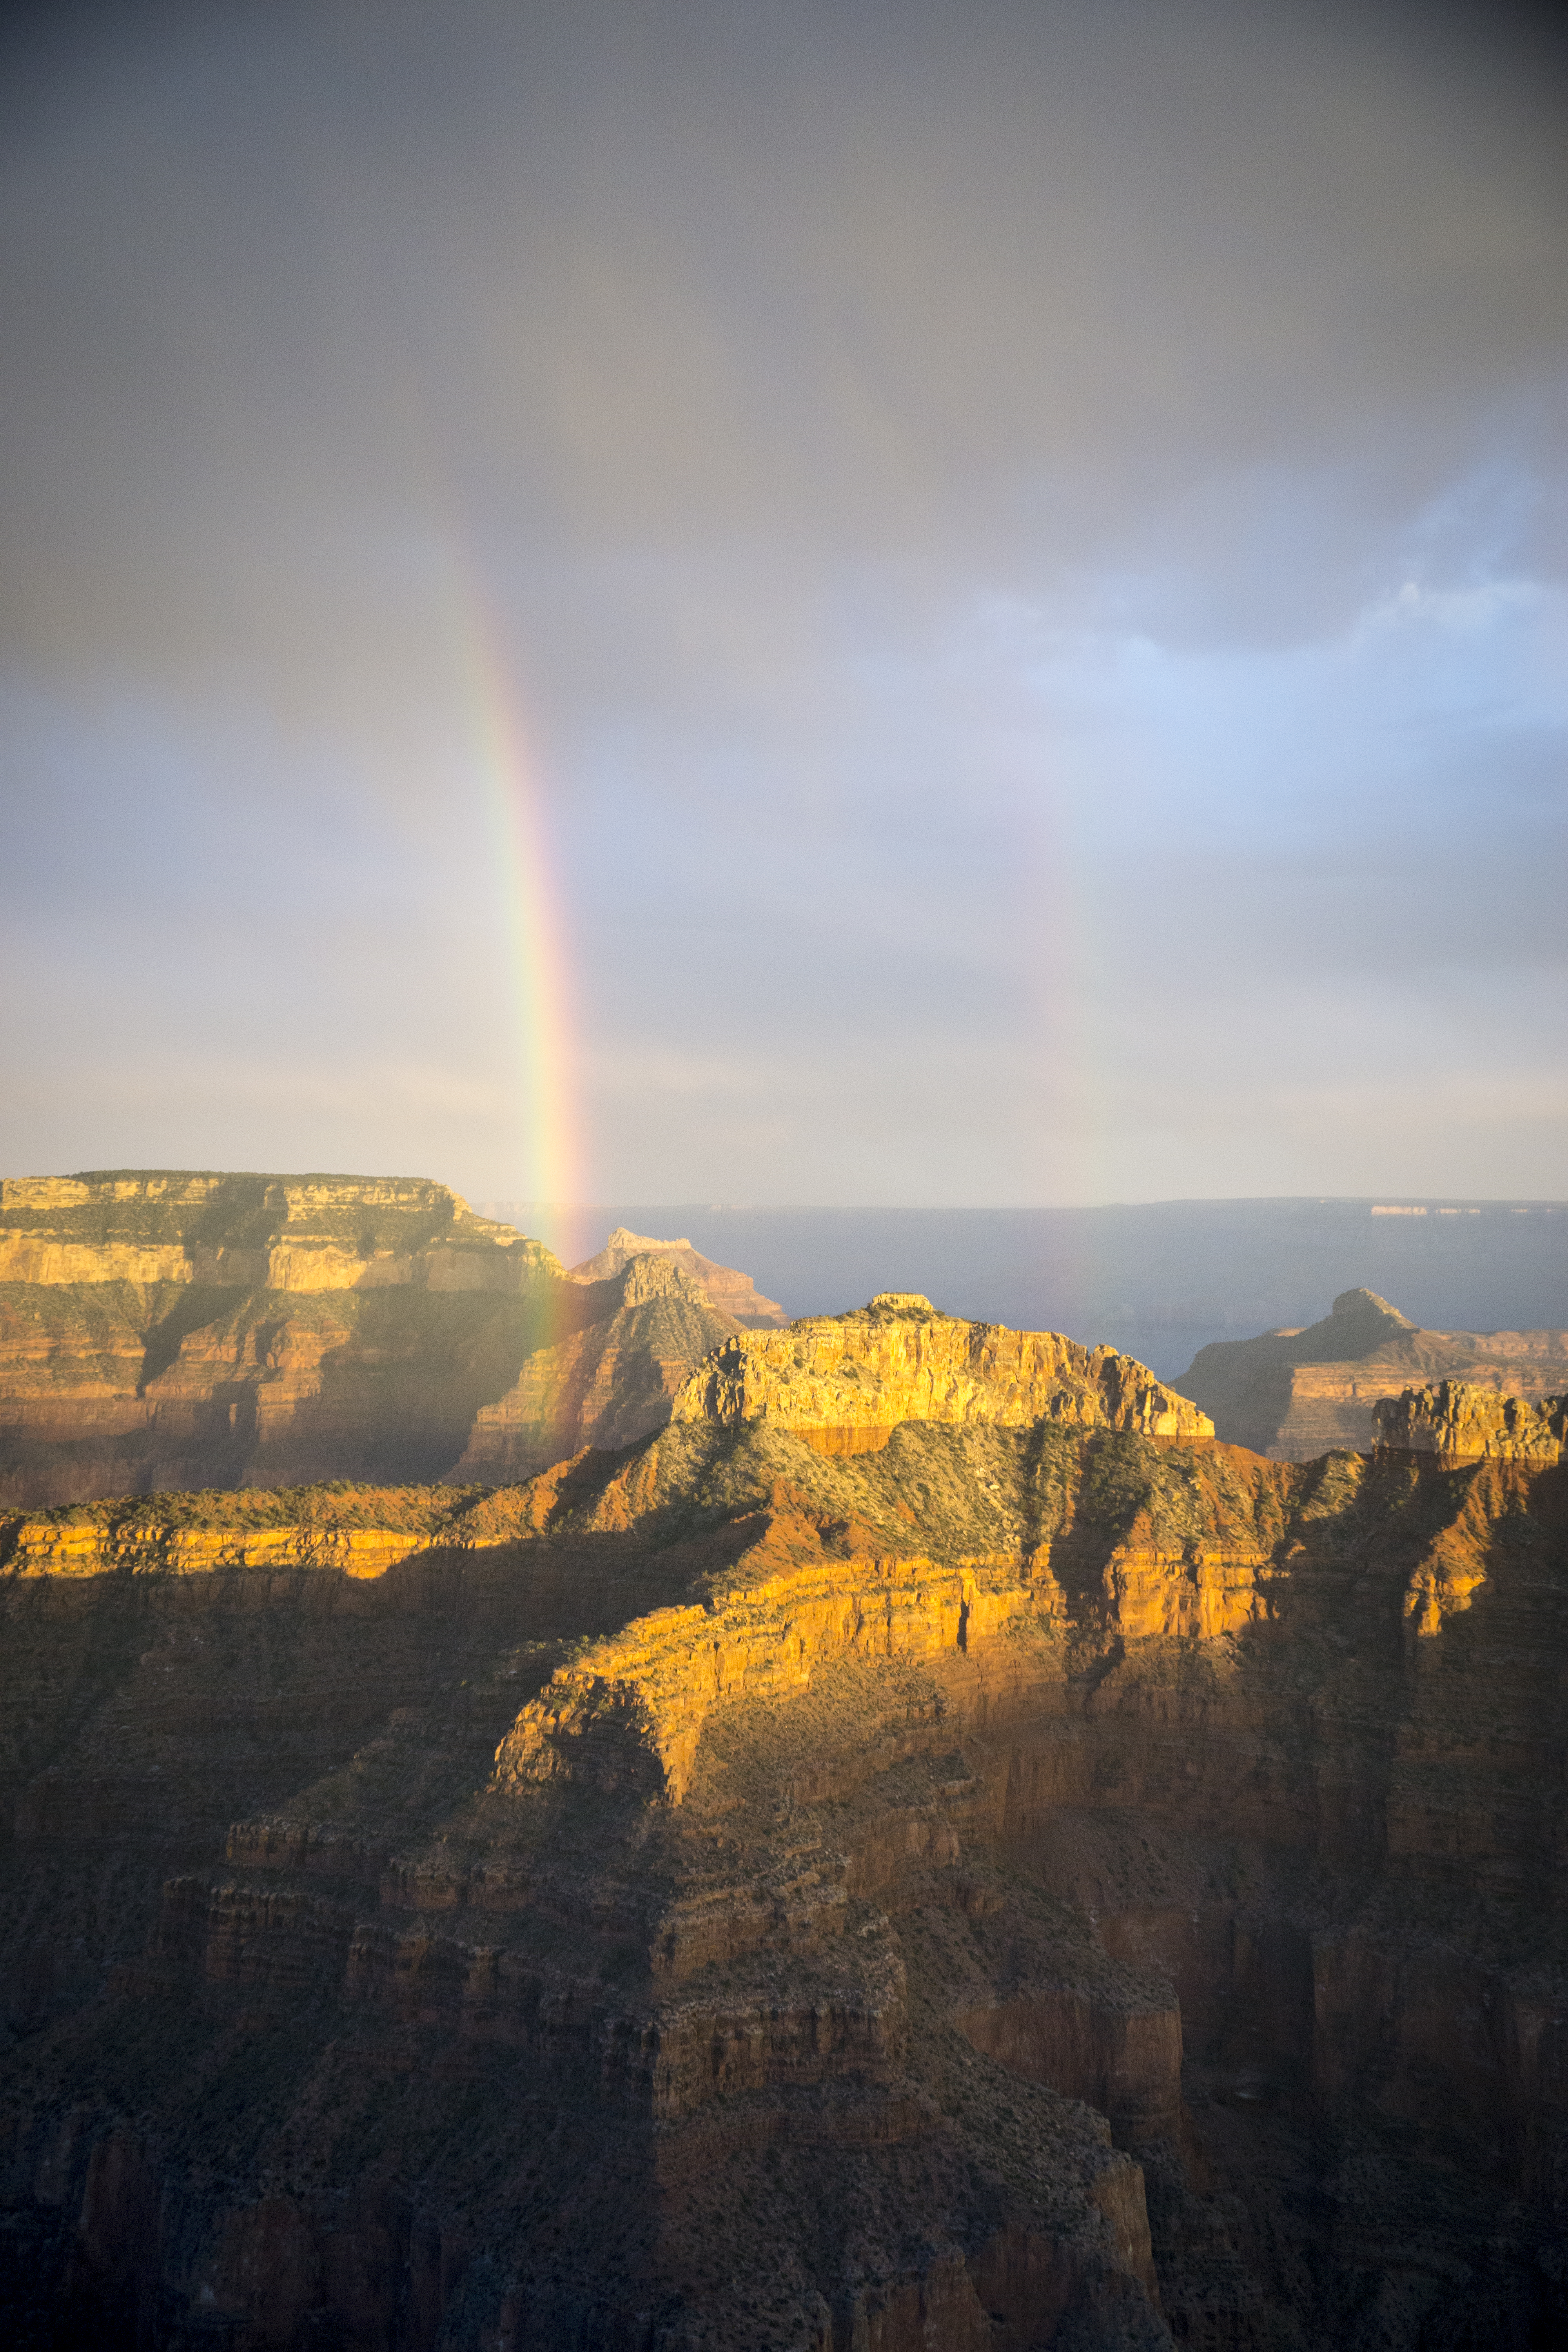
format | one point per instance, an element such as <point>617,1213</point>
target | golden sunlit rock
<point>843,1382</point>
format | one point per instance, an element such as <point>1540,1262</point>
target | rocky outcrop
<point>733,1293</point>
<point>170,1329</point>
<point>1294,1394</point>
<point>1460,1423</point>
<point>1017,1885</point>
<point>844,1382</point>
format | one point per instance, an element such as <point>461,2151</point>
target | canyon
<point>167,1329</point>
<point>927,1847</point>
<point>1294,1394</point>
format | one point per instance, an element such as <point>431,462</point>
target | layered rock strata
<point>844,1382</point>
<point>1294,1394</point>
<point>176,1329</point>
<point>1021,1886</point>
<point>254,1233</point>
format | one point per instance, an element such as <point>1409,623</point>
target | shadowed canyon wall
<point>1023,1884</point>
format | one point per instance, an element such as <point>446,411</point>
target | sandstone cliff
<point>1294,1394</point>
<point>1022,1884</point>
<point>174,1329</point>
<point>844,1382</point>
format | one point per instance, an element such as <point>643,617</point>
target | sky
<point>788,603</point>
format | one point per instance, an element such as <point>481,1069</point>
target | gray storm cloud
<point>945,480</point>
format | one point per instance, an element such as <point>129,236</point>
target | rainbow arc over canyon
<point>509,767</point>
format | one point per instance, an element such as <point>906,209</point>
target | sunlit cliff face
<point>1022,554</point>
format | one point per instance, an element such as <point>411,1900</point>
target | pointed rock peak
<point>624,1239</point>
<point>1367,1302</point>
<point>734,1293</point>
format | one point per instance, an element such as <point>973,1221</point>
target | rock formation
<point>733,1293</point>
<point>844,1382</point>
<point>254,1232</point>
<point>166,1330</point>
<point>1460,1423</point>
<point>609,1380</point>
<point>1031,1881</point>
<point>1294,1394</point>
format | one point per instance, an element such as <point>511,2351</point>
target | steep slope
<point>1294,1394</point>
<point>163,1330</point>
<point>733,1292</point>
<point>1027,1883</point>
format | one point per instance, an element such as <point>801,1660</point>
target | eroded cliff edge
<point>1018,1885</point>
<point>169,1329</point>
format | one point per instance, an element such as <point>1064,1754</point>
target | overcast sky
<point>1030,545</point>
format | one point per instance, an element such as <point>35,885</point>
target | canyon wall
<point>221,1231</point>
<point>1018,1885</point>
<point>1294,1394</point>
<point>171,1329</point>
<point>845,1381</point>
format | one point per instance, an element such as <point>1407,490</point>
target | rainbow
<point>550,1162</point>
